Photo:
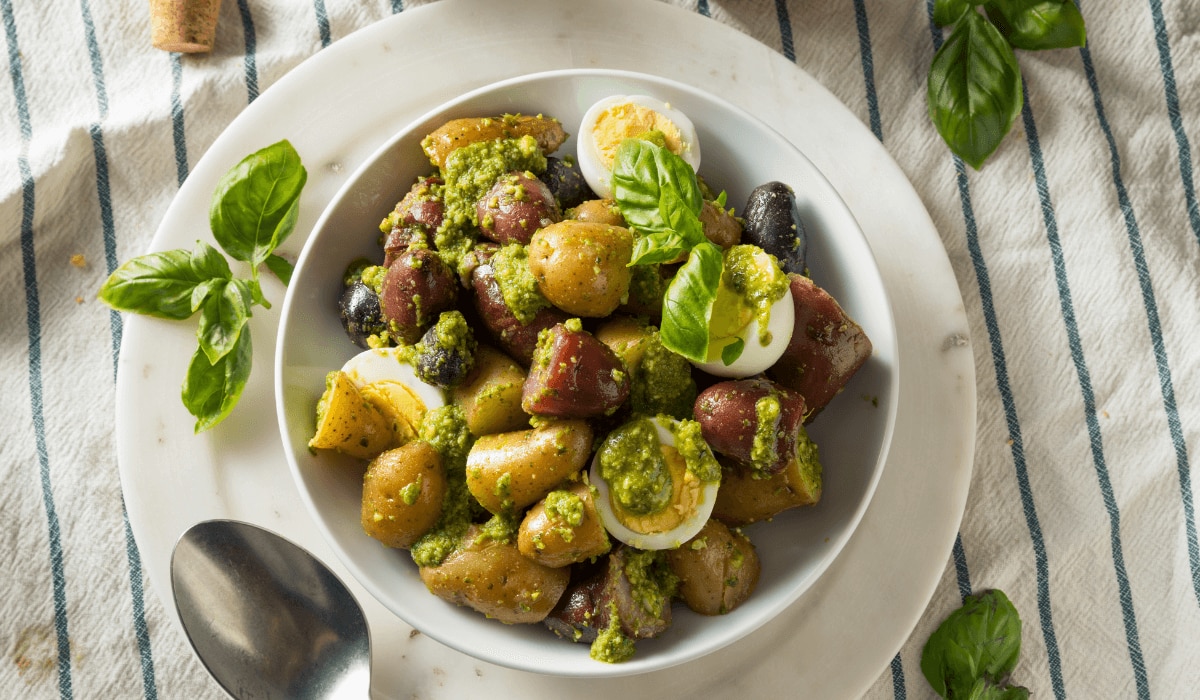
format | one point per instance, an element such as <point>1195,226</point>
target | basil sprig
<point>973,651</point>
<point>253,210</point>
<point>660,199</point>
<point>974,87</point>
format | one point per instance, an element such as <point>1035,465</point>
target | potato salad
<point>583,374</point>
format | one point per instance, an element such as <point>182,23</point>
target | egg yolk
<point>628,121</point>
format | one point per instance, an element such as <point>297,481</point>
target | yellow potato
<point>582,268</point>
<point>718,569</point>
<point>457,133</point>
<point>493,578</point>
<point>744,499</point>
<point>491,395</point>
<point>599,211</point>
<point>563,528</point>
<point>402,494</point>
<point>509,471</point>
<point>349,423</point>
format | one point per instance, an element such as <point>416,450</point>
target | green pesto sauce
<point>445,429</point>
<point>469,173</point>
<point>517,284</point>
<point>695,451</point>
<point>651,582</point>
<point>565,506</point>
<point>663,382</point>
<point>646,285</point>
<point>411,492</point>
<point>808,459</point>
<point>611,646</point>
<point>501,527</point>
<point>426,191</point>
<point>762,450</point>
<point>757,284</point>
<point>372,276</point>
<point>574,325</point>
<point>632,464</point>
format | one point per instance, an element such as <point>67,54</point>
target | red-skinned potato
<point>826,349</point>
<point>574,375</point>
<point>417,288</point>
<point>731,416</point>
<point>517,205</point>
<point>517,339</point>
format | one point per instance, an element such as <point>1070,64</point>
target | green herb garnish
<point>974,86</point>
<point>973,651</point>
<point>660,198</point>
<point>253,210</point>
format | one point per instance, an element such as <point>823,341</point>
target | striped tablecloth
<point>1076,249</point>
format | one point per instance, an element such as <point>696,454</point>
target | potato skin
<point>516,338</point>
<point>509,471</point>
<point>720,227</point>
<point>417,288</point>
<point>744,499</point>
<point>582,268</point>
<point>729,421</point>
<point>490,396</point>
<point>599,211</point>
<point>493,578</point>
<point>457,133</point>
<point>516,206</point>
<point>718,569</point>
<point>387,515</point>
<point>551,541</point>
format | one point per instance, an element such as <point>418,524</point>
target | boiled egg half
<point>646,495</point>
<point>387,381</point>
<point>753,310</point>
<point>613,119</point>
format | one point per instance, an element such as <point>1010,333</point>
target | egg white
<point>591,163</point>
<point>379,366</point>
<point>755,356</point>
<point>667,539</point>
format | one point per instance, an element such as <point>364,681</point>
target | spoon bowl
<point>267,618</point>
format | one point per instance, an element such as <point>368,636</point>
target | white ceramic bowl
<point>740,152</point>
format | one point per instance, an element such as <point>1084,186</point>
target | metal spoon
<point>267,618</point>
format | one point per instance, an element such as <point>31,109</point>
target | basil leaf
<point>211,390</point>
<point>655,248</point>
<point>281,268</point>
<point>255,205</point>
<point>974,89</point>
<point>982,690</point>
<point>688,302</point>
<point>980,640</point>
<point>657,191</point>
<point>162,284</point>
<point>947,12</point>
<point>730,353</point>
<point>222,317</point>
<point>1038,24</point>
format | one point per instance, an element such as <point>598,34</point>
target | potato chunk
<point>348,423</point>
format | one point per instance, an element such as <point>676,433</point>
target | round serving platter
<point>342,104</point>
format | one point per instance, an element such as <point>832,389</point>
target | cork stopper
<point>186,26</point>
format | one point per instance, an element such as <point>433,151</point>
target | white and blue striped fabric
<point>1076,249</point>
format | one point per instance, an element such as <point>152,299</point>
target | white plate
<point>739,154</point>
<point>337,107</point>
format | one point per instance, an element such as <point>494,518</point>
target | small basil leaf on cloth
<point>222,316</point>
<point>972,652</point>
<point>688,302</point>
<point>281,268</point>
<point>211,390</point>
<point>161,284</point>
<point>1038,24</point>
<point>947,12</point>
<point>974,89</point>
<point>255,205</point>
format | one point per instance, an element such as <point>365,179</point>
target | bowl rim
<point>636,665</point>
